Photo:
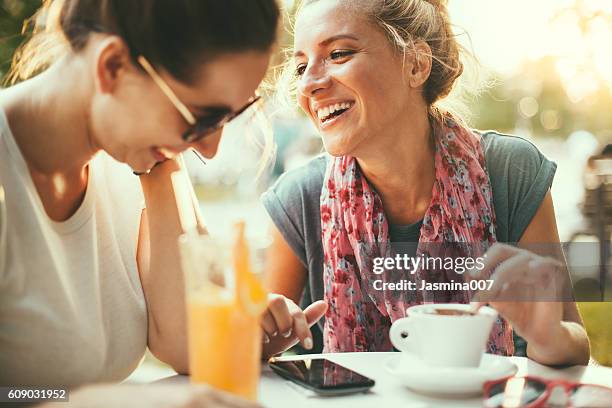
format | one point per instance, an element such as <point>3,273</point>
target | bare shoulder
<point>543,226</point>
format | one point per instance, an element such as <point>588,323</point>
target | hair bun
<point>439,4</point>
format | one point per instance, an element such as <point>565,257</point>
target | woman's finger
<point>300,328</point>
<point>494,256</point>
<point>520,280</point>
<point>277,306</point>
<point>315,311</point>
<point>507,273</point>
<point>553,283</point>
<point>268,324</point>
<point>311,314</point>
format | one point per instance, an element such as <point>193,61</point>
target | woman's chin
<point>138,163</point>
<point>337,146</point>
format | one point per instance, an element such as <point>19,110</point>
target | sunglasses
<point>203,126</point>
<point>534,392</point>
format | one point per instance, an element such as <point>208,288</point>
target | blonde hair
<point>47,43</point>
<point>405,24</point>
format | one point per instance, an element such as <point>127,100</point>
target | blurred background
<point>548,66</point>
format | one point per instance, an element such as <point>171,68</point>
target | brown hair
<point>176,35</point>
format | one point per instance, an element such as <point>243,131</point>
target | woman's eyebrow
<point>328,41</point>
<point>211,109</point>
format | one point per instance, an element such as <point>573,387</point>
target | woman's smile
<point>328,115</point>
<point>161,154</point>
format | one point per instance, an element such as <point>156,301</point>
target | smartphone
<point>322,376</point>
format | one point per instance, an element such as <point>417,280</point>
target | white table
<point>275,391</point>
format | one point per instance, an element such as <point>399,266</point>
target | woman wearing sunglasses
<point>372,76</point>
<point>89,278</point>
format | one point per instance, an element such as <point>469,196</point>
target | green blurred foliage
<point>494,109</point>
<point>498,107</point>
<point>12,15</point>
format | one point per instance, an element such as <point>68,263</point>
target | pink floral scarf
<point>460,219</point>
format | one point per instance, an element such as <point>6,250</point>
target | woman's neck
<point>48,115</point>
<point>401,168</point>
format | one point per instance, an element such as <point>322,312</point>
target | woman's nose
<point>209,144</point>
<point>314,79</point>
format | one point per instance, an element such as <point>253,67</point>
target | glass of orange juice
<point>225,301</point>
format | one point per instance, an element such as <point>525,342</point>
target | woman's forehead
<point>322,19</point>
<point>228,80</point>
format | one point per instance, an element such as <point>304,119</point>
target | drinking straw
<point>184,202</point>
<point>194,199</point>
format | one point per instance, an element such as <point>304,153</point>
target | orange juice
<point>225,301</point>
<point>224,344</point>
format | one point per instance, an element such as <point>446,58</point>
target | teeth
<point>165,152</point>
<point>328,110</point>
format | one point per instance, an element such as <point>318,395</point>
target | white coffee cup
<point>444,340</point>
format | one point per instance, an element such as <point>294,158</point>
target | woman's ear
<point>419,64</point>
<point>112,61</point>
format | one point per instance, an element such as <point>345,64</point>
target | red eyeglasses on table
<point>535,392</point>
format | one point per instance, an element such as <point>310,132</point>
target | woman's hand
<point>284,324</point>
<point>152,396</point>
<point>524,290</point>
<point>529,291</point>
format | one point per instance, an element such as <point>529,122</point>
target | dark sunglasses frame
<point>202,129</point>
<point>199,128</point>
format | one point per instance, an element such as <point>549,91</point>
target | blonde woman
<point>89,278</point>
<point>371,76</point>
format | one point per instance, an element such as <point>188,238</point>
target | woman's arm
<point>570,343</point>
<point>553,329</point>
<point>160,269</point>
<point>284,323</point>
<point>285,273</point>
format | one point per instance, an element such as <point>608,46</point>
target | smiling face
<point>136,123</point>
<point>351,82</point>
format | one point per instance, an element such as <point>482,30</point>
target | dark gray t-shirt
<point>519,173</point>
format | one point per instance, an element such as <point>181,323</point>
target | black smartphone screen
<point>322,375</point>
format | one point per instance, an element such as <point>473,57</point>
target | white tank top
<point>72,309</point>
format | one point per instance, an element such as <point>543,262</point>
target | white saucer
<point>413,373</point>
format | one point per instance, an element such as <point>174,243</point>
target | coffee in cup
<point>452,312</point>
